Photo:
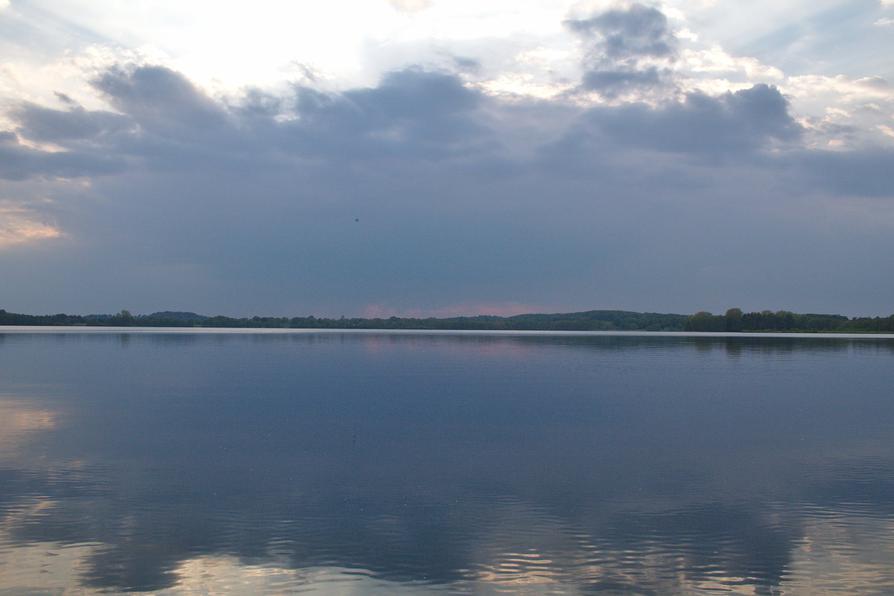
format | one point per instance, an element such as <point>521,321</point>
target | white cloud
<point>18,226</point>
<point>716,60</point>
<point>410,5</point>
<point>840,105</point>
<point>858,90</point>
<point>523,85</point>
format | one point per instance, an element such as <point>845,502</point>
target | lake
<point>334,462</point>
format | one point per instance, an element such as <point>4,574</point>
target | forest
<point>734,320</point>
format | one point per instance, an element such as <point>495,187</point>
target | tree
<point>124,317</point>
<point>734,319</point>
<point>705,321</point>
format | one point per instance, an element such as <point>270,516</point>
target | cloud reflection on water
<point>195,463</point>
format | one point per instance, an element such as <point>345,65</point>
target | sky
<point>445,157</point>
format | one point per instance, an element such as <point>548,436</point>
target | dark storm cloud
<point>258,104</point>
<point>166,120</point>
<point>44,124</point>
<point>20,162</point>
<point>729,124</point>
<point>615,82</point>
<point>176,126</point>
<point>411,114</point>
<point>619,44</point>
<point>422,191</point>
<point>161,100</point>
<point>632,32</point>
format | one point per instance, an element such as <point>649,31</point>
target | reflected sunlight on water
<point>18,421</point>
<point>413,463</point>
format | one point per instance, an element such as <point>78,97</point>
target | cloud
<point>421,192</point>
<point>410,5</point>
<point>44,124</point>
<point>507,309</point>
<point>160,99</point>
<point>410,113</point>
<point>621,34</point>
<point>874,82</point>
<point>621,48</point>
<point>413,115</point>
<point>716,60</point>
<point>730,124</point>
<point>617,82</point>
<point>19,161</point>
<point>18,226</point>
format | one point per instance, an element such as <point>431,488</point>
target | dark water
<point>351,463</point>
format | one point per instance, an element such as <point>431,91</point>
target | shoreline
<point>100,330</point>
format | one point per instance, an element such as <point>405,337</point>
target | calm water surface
<point>356,463</point>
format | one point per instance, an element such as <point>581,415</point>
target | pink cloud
<point>502,309</point>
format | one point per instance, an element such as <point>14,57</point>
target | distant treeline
<point>597,320</point>
<point>785,321</point>
<point>594,320</point>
